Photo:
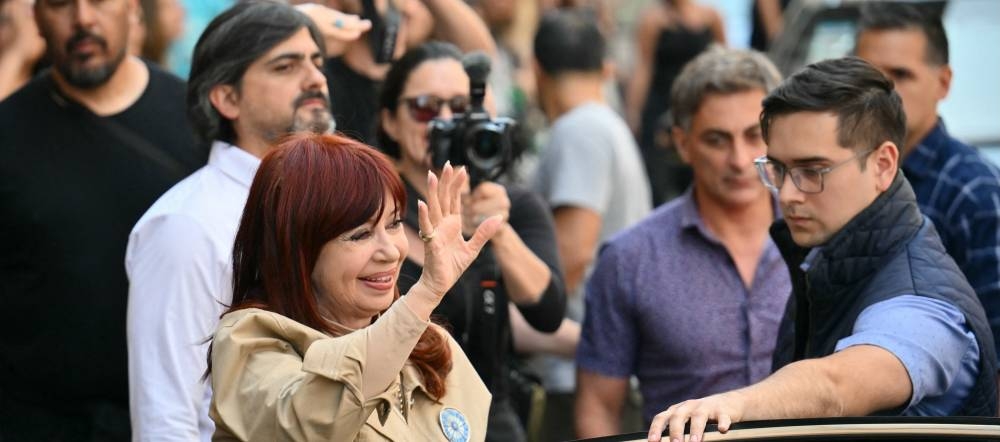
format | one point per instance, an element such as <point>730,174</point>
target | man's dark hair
<point>395,82</point>
<point>230,44</point>
<point>869,111</point>
<point>569,40</point>
<point>895,16</point>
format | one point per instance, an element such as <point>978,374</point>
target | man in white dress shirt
<point>256,75</point>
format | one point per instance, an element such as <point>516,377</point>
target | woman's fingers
<point>462,177</point>
<point>424,219</point>
<point>433,203</point>
<point>444,189</point>
<point>485,232</point>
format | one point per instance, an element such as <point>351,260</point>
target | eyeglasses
<point>424,108</point>
<point>807,179</point>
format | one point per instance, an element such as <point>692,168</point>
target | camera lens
<point>484,142</point>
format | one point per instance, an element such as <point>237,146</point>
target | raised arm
<point>21,48</point>
<point>456,22</point>
<point>338,29</point>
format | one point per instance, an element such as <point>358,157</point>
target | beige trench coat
<point>275,379</point>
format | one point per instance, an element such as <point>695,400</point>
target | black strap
<point>134,142</point>
<point>484,310</point>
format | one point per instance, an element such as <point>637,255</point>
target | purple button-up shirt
<point>667,304</point>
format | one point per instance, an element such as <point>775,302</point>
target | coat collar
<point>856,251</point>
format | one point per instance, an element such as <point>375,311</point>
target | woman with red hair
<point>319,344</point>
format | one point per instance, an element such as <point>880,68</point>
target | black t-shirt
<point>72,185</point>
<point>353,99</point>
<point>478,320</point>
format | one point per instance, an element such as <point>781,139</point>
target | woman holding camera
<point>520,264</point>
<point>318,344</point>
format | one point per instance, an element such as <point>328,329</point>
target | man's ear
<point>944,81</point>
<point>679,138</point>
<point>536,69</point>
<point>225,100</point>
<point>608,70</point>
<point>885,161</point>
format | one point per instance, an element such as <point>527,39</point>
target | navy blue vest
<point>889,249</point>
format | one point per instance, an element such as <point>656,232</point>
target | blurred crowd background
<point>648,42</point>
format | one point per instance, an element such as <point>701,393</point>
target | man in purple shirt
<point>689,300</point>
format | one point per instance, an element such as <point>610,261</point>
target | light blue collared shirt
<point>932,340</point>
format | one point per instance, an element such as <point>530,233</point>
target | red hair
<point>308,190</point>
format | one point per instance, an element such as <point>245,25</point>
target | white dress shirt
<point>179,265</point>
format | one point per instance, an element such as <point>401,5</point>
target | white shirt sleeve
<point>174,305</point>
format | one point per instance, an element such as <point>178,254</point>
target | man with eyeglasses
<point>689,300</point>
<point>881,319</point>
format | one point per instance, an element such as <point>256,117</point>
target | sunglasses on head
<point>425,108</point>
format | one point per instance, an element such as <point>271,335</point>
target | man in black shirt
<point>85,148</point>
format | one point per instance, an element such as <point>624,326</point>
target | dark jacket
<point>889,249</point>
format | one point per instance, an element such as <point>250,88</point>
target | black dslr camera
<point>482,144</point>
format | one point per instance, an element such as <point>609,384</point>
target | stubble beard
<point>318,121</point>
<point>74,73</point>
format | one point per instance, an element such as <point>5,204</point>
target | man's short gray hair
<point>719,71</point>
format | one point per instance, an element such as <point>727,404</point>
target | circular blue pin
<point>454,425</point>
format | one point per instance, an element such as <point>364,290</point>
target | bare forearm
<point>528,340</point>
<point>856,381</point>
<point>456,22</point>
<point>575,264</point>
<point>602,417</point>
<point>578,231</point>
<point>814,394</point>
<point>525,275</point>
